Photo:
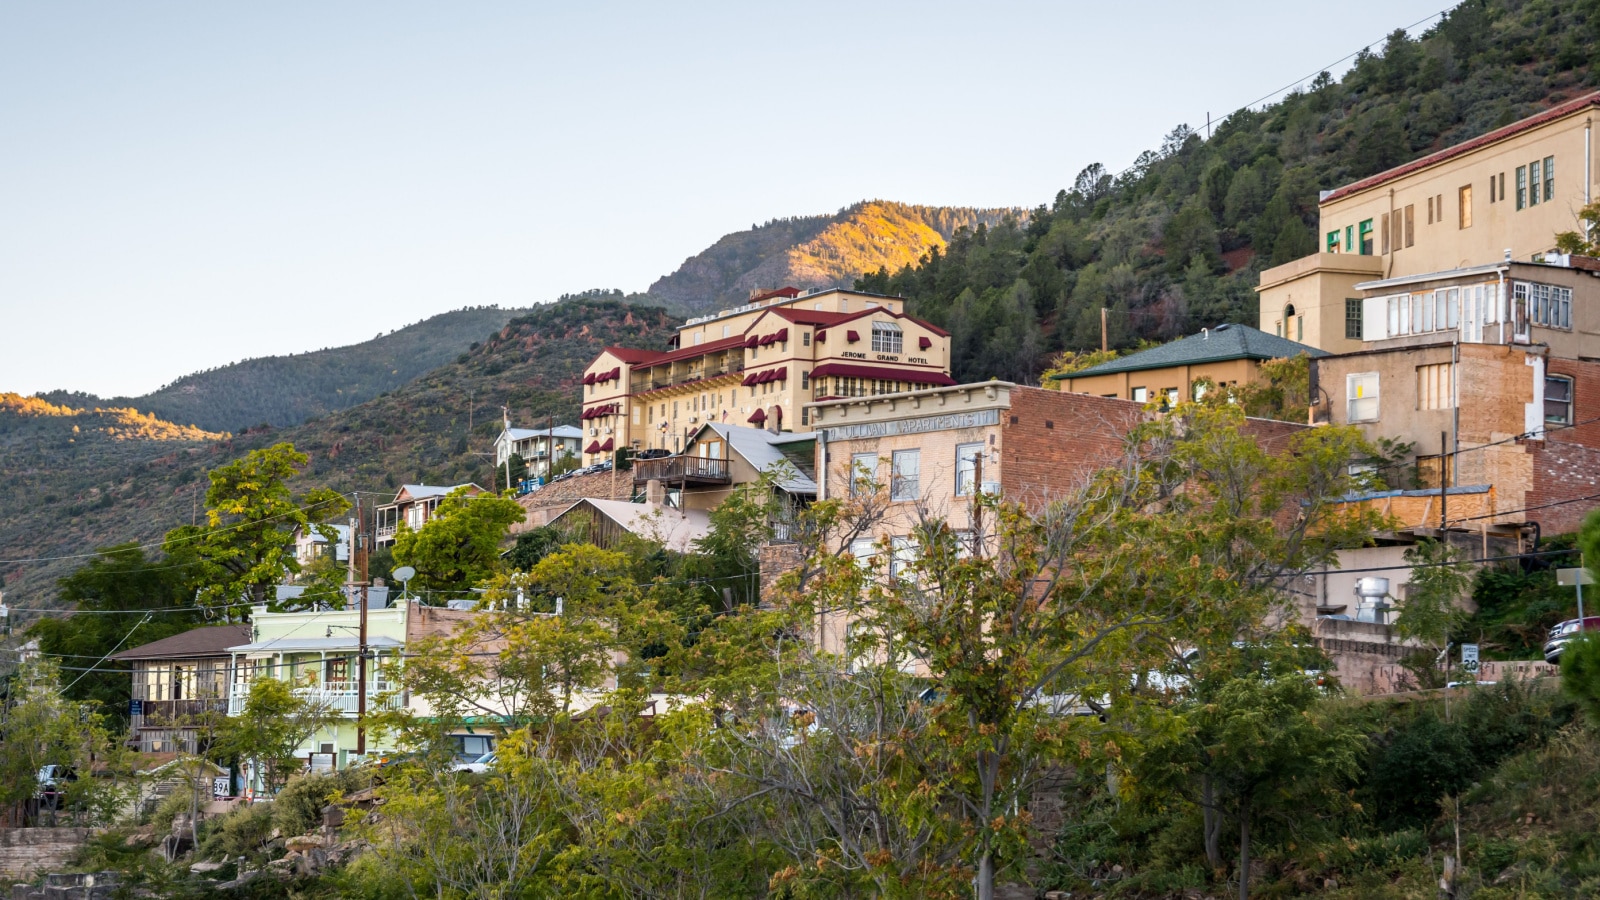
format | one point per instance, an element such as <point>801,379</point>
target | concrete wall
<point>1316,286</point>
<point>24,852</point>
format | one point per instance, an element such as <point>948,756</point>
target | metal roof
<point>759,447</point>
<point>1222,343</point>
<point>316,644</point>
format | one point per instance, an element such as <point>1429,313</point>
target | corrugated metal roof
<point>759,447</point>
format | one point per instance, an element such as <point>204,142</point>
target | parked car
<point>53,781</point>
<point>478,766</point>
<point>1565,632</point>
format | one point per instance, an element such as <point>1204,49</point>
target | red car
<point>1564,632</point>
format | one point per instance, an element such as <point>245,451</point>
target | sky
<point>184,185</point>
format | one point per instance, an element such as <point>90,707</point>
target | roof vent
<point>1223,327</point>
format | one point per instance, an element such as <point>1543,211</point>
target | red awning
<point>822,335</point>
<point>587,414</point>
<point>752,340</point>
<point>924,342</point>
<point>783,334</point>
<point>616,373</point>
<point>606,447</point>
<point>594,447</point>
<point>851,336</point>
<point>766,377</point>
<point>856,370</point>
<point>589,378</point>
<point>781,374</point>
<point>757,417</point>
<point>749,378</point>
<point>768,339</point>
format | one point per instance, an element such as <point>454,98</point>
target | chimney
<point>654,492</point>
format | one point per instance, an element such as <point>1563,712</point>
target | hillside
<point>814,251</point>
<point>288,390</point>
<point>1177,241</point>
<point>87,479</point>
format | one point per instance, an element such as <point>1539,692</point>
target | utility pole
<point>359,558</point>
<point>549,447</point>
<point>505,420</point>
<point>1444,469</point>
<point>1102,329</point>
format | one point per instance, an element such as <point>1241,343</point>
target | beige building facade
<point>758,365</point>
<point>1500,197</point>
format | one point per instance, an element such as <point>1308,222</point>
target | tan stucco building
<point>758,365</point>
<point>1226,356</point>
<point>1499,197</point>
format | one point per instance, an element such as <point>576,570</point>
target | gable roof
<point>1224,342</point>
<point>631,355</point>
<point>207,640</point>
<point>676,529</point>
<point>1499,134</point>
<point>424,491</point>
<point>759,448</point>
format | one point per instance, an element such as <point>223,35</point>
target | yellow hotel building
<point>758,365</point>
<point>1497,198</point>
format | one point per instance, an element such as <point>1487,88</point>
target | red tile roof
<point>859,370</point>
<point>632,355</point>
<point>692,352</point>
<point>790,292</point>
<point>1499,134</point>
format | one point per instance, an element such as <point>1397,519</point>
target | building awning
<point>292,644</point>
<point>607,446</point>
<point>587,414</point>
<point>783,334</point>
<point>757,417</point>
<point>856,370</point>
<point>594,447</point>
<point>589,378</point>
<point>767,340</point>
<point>749,378</point>
<point>924,342</point>
<point>753,340</point>
<point>851,336</point>
<point>822,335</point>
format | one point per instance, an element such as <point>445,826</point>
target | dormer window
<point>887,338</point>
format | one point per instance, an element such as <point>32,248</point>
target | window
<point>1522,186</point>
<point>636,415</point>
<point>1534,169</point>
<point>1364,237</point>
<point>904,469</point>
<point>1549,178</point>
<point>1546,304</point>
<point>725,330</point>
<point>902,555</point>
<point>1350,239</point>
<point>1464,206</point>
<point>1141,395</point>
<point>1299,328</point>
<point>967,468</point>
<point>805,380</point>
<point>805,338</point>
<point>1352,319</point>
<point>1438,204</point>
<point>1558,400</point>
<point>1411,210</point>
<point>698,337</point>
<point>1333,242</point>
<point>1435,386</point>
<point>1430,210</point>
<point>1198,390</point>
<point>1385,229</point>
<point>1171,397</point>
<point>863,550</point>
<point>1502,187</point>
<point>863,473</point>
<point>1361,392</point>
<point>887,338</point>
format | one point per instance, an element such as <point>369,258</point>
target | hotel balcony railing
<point>338,696</point>
<point>682,469</point>
<point>655,382</point>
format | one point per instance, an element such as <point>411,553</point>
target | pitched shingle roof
<point>211,640</point>
<point>1222,343</point>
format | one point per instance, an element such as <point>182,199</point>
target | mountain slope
<point>814,251</point>
<point>83,479</point>
<point>288,390</point>
<point>1178,240</point>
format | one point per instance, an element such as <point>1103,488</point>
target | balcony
<point>385,532</point>
<point>339,696</point>
<point>688,470</point>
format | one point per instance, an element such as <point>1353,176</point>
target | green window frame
<point>1350,240</point>
<point>1549,178</point>
<point>1522,187</point>
<point>1364,238</point>
<point>1333,241</point>
<point>1534,178</point>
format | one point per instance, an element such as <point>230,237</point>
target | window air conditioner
<point>991,488</point>
<point>593,431</point>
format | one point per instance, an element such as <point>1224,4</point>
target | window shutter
<point>1375,319</point>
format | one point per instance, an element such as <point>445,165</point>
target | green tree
<point>266,734</point>
<point>1432,611</point>
<point>39,727</point>
<point>115,588</point>
<point>459,548</point>
<point>246,546</point>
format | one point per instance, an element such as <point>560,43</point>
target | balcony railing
<point>682,469</point>
<point>338,696</point>
<point>385,531</point>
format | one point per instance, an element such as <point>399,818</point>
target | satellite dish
<point>404,574</point>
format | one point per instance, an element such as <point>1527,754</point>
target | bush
<point>1413,766</point>
<point>298,807</point>
<point>1580,675</point>
<point>243,831</point>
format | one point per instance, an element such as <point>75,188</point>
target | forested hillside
<point>1177,241</point>
<point>288,390</point>
<point>814,251</point>
<point>78,480</point>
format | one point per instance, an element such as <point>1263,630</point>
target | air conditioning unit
<point>593,432</point>
<point>611,431</point>
<point>992,488</point>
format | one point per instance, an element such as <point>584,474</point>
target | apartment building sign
<point>893,427</point>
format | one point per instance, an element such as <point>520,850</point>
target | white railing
<point>385,531</point>
<point>338,696</point>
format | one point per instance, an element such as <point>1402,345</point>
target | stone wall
<point>24,852</point>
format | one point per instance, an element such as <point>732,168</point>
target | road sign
<point>1469,657</point>
<point>1570,577</point>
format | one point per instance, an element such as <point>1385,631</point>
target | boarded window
<point>1464,206</point>
<point>1411,219</point>
<point>1436,386</point>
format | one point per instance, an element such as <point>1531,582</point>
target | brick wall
<point>1566,465</point>
<point>1052,442</point>
<point>26,851</point>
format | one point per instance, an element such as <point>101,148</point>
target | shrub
<point>1580,675</point>
<point>243,831</point>
<point>298,807</point>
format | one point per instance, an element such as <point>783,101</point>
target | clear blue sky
<point>183,185</point>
